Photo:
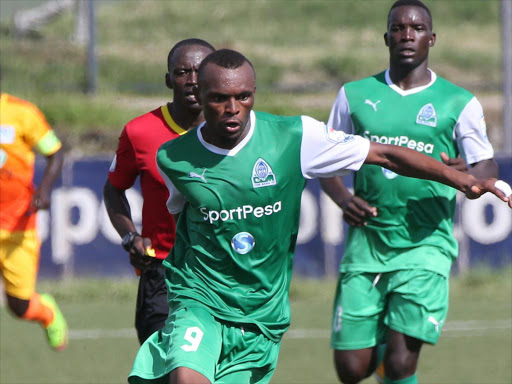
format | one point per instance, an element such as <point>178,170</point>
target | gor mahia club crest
<point>262,174</point>
<point>427,116</point>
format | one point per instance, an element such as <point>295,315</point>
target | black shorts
<point>152,307</point>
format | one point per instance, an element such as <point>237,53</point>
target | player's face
<point>182,76</point>
<point>227,98</point>
<point>409,36</point>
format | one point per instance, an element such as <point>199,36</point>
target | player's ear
<point>432,40</point>
<point>386,39</point>
<point>168,80</point>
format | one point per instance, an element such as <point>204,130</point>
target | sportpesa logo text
<point>240,213</point>
<point>420,146</point>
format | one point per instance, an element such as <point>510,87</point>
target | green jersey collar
<point>233,151</point>
<point>412,91</point>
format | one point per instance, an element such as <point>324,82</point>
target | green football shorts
<point>412,302</point>
<point>222,352</point>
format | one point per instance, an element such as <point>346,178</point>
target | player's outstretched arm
<point>411,163</point>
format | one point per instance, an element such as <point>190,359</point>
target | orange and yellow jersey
<point>23,128</point>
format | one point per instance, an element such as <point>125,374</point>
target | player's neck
<point>185,117</point>
<point>407,77</point>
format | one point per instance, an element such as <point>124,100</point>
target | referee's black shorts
<point>152,307</point>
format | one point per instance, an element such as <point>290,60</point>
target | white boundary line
<point>467,328</point>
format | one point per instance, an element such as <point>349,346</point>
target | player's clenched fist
<point>138,253</point>
<point>356,211</point>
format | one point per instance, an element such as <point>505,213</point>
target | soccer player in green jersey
<point>236,182</point>
<point>393,284</point>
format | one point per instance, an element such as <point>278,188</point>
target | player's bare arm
<point>41,198</point>
<point>355,209</point>
<point>118,210</point>
<point>411,163</point>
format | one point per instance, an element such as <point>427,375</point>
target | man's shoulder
<point>271,118</point>
<point>21,104</point>
<point>370,81</point>
<point>280,128</point>
<point>8,98</point>
<point>278,123</point>
<point>361,89</point>
<point>178,149</point>
<point>141,122</point>
<point>183,141</point>
<point>451,88</point>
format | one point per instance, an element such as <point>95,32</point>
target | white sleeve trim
<point>176,200</point>
<point>326,152</point>
<point>339,118</point>
<point>470,133</point>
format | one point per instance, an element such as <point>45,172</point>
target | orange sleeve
<point>37,124</point>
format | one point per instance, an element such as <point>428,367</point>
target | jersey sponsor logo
<point>389,174</point>
<point>113,165</point>
<point>374,105</point>
<point>427,116</point>
<point>198,176</point>
<point>403,141</point>
<point>240,213</point>
<point>7,134</point>
<point>262,174</point>
<point>338,137</point>
<point>3,157</point>
<point>243,243</point>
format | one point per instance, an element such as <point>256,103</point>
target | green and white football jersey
<point>240,211</point>
<point>438,117</point>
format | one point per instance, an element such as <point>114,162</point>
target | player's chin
<point>407,61</point>
<point>193,106</point>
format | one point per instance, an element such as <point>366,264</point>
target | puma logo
<point>198,176</point>
<point>374,105</point>
<point>432,320</point>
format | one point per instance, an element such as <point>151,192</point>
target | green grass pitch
<point>475,348</point>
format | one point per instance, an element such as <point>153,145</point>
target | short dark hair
<point>225,58</point>
<point>410,3</point>
<point>186,43</point>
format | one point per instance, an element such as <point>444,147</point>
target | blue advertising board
<point>79,240</point>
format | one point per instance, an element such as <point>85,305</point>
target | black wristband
<point>127,241</point>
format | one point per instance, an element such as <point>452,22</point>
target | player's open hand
<point>457,162</point>
<point>356,211</point>
<point>138,253</point>
<point>497,187</point>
